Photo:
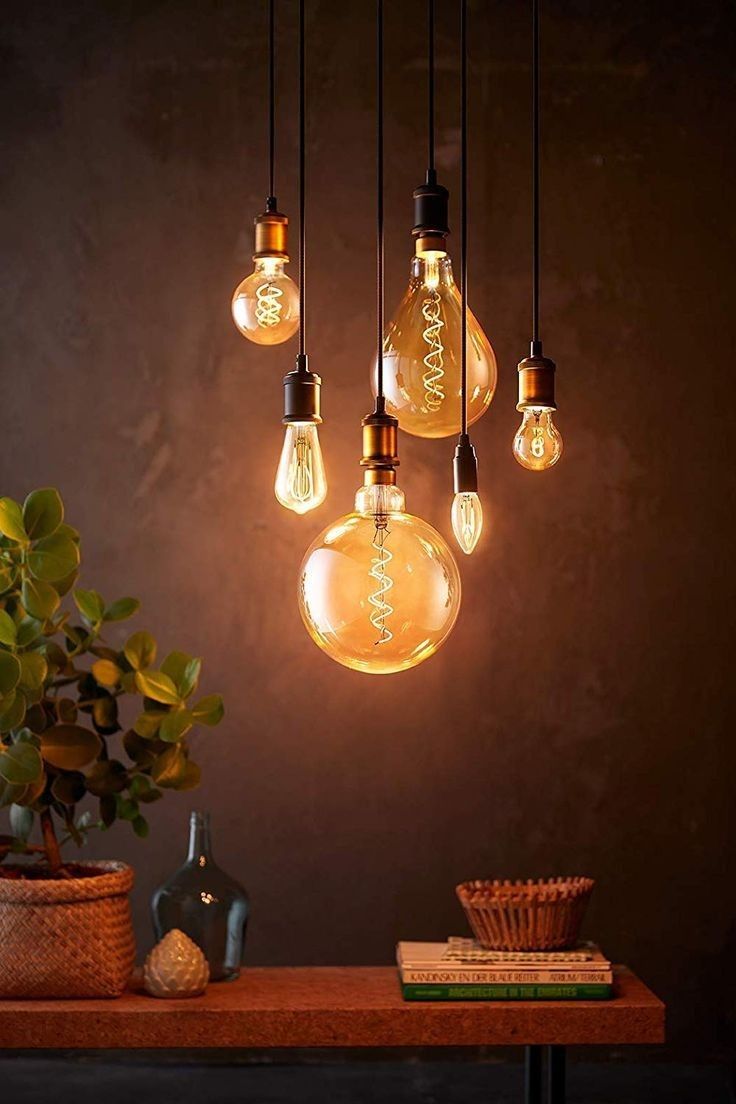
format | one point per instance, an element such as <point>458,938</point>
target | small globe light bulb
<point>301,483</point>
<point>538,442</point>
<point>467,519</point>
<point>265,306</point>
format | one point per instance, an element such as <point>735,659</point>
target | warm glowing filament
<point>467,519</point>
<point>302,483</point>
<point>268,306</point>
<point>434,391</point>
<point>381,608</point>
<point>537,445</point>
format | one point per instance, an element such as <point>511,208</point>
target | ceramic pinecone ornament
<point>176,967</point>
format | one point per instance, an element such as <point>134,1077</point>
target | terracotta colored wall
<point>578,718</point>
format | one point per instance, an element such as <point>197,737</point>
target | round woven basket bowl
<point>69,937</point>
<point>526,916</point>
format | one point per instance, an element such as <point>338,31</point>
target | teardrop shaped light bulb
<point>301,483</point>
<point>538,441</point>
<point>467,519</point>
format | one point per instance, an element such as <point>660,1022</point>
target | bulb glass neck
<point>379,500</point>
<point>270,266</point>
<point>432,270</point>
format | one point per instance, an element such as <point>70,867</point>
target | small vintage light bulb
<point>538,443</point>
<point>265,305</point>
<point>301,483</point>
<point>467,511</point>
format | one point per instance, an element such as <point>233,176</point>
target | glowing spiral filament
<point>434,362</point>
<point>268,306</point>
<point>538,442</point>
<point>381,608</point>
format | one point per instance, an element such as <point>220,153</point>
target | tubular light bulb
<point>467,519</point>
<point>379,589</point>
<point>265,305</point>
<point>421,354</point>
<point>538,442</point>
<point>301,483</point>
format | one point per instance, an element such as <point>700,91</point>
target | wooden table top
<point>331,1006</point>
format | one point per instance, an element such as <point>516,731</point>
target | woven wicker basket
<point>526,916</point>
<point>67,938</point>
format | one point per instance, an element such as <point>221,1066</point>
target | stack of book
<point>462,970</point>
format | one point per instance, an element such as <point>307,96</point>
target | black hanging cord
<point>302,189</point>
<point>464,211</point>
<point>430,88</point>
<point>535,171</point>
<point>271,101</point>
<point>380,400</point>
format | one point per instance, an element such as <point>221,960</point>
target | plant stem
<point>51,844</point>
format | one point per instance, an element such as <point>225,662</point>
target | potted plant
<point>65,927</point>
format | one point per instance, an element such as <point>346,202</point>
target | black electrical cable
<point>535,171</point>
<point>302,189</point>
<point>464,211</point>
<point>430,84</point>
<point>380,401</point>
<point>271,99</point>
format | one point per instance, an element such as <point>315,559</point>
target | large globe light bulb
<point>421,354</point>
<point>265,305</point>
<point>379,589</point>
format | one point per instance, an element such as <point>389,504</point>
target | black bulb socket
<point>302,394</point>
<point>431,202</point>
<point>465,466</point>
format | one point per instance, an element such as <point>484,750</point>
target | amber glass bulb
<point>538,442</point>
<point>421,354</point>
<point>467,519</point>
<point>301,483</point>
<point>379,589</point>
<point>265,305</point>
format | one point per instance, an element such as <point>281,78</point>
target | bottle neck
<point>432,270</point>
<point>200,844</point>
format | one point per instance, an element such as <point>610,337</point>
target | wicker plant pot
<point>526,916</point>
<point>67,937</point>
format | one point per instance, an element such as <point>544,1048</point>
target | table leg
<point>556,1075</point>
<point>533,1075</point>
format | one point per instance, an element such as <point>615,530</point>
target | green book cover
<point>505,992</point>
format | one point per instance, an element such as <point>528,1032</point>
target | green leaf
<point>169,768</point>
<point>10,794</point>
<point>36,718</point>
<point>11,520</point>
<point>106,672</point>
<point>183,670</point>
<point>12,710</point>
<point>106,777</point>
<point>105,714</point>
<point>140,750</point>
<point>127,809</point>
<point>69,746</point>
<point>90,604</point>
<point>68,788</point>
<point>209,711</point>
<point>147,724</point>
<point>140,650</point>
<point>7,629</point>
<point>66,710</point>
<point>9,672</point>
<point>175,725</point>
<point>20,764</point>
<point>40,599</point>
<point>53,558</point>
<point>122,609</point>
<point>33,668</point>
<point>21,822</point>
<point>140,826</point>
<point>8,576</point>
<point>63,586</point>
<point>158,686</point>
<point>29,630</point>
<point>191,778</point>
<point>108,810</point>
<point>43,513</point>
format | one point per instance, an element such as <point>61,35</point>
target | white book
<point>464,962</point>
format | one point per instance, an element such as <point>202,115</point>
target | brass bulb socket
<point>380,448</point>
<point>271,237</point>
<point>536,384</point>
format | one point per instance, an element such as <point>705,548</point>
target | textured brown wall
<point>577,719</point>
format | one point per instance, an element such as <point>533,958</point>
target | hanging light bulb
<point>301,483</point>
<point>265,305</point>
<point>421,350</point>
<point>538,441</point>
<point>379,589</point>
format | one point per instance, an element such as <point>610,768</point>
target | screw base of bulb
<point>302,394</point>
<point>380,448</point>
<point>465,466</point>
<point>536,381</point>
<point>271,233</point>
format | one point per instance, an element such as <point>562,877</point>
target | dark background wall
<point>578,718</point>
